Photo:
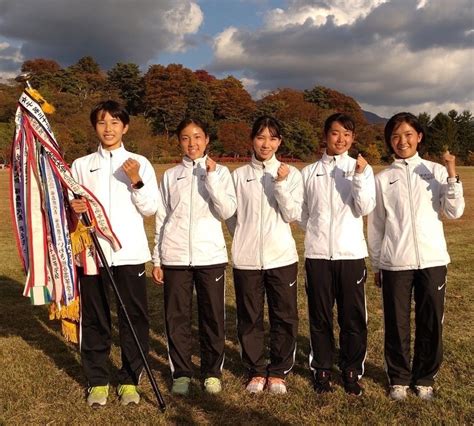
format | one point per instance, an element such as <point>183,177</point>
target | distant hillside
<point>374,118</point>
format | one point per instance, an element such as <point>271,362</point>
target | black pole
<point>103,259</point>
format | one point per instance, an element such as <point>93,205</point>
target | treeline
<point>159,99</point>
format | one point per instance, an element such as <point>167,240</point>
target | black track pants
<point>178,293</point>
<point>429,287</point>
<point>343,282</point>
<point>96,323</point>
<point>279,284</point>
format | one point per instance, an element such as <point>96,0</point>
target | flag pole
<point>103,259</point>
<point>24,78</point>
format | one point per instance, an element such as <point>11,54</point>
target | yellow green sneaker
<point>212,385</point>
<point>97,396</point>
<point>181,386</point>
<point>128,394</point>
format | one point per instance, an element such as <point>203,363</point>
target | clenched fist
<point>282,172</point>
<point>361,164</point>
<point>210,164</point>
<point>131,168</point>
<point>450,162</point>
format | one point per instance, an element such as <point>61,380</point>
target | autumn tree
<point>166,96</point>
<point>231,101</point>
<point>234,137</point>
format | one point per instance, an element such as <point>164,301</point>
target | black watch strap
<point>138,185</point>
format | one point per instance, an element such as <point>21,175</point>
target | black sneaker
<point>322,381</point>
<point>351,383</point>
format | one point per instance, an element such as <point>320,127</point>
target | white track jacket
<point>265,209</point>
<point>188,229</point>
<point>405,230</point>
<point>101,172</point>
<point>335,200</point>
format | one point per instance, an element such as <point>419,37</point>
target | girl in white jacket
<point>190,252</point>
<point>269,196</point>
<point>408,253</point>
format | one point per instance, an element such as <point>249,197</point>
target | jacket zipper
<point>191,218</point>
<point>261,216</point>
<point>110,204</point>
<point>332,177</point>
<point>412,212</point>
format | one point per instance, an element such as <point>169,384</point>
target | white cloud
<point>306,12</point>
<point>392,56</point>
<point>183,19</point>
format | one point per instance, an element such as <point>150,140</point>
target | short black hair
<point>114,108</point>
<point>345,120</point>
<point>395,121</point>
<point>190,120</point>
<point>263,122</point>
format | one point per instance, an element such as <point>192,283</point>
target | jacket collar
<point>336,158</point>
<point>119,152</point>
<point>271,162</point>
<point>412,161</point>
<point>187,162</point>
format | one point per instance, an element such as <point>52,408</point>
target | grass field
<point>41,380</point>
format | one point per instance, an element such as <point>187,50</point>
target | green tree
<point>299,140</point>
<point>127,79</point>
<point>200,105</point>
<point>465,126</point>
<point>442,135</point>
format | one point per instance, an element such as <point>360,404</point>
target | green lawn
<point>41,380</point>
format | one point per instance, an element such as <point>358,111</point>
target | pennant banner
<point>39,184</point>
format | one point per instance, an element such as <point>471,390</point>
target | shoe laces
<point>257,380</point>
<point>212,381</point>
<point>276,381</point>
<point>127,389</point>
<point>99,390</point>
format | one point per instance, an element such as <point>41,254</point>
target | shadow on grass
<point>19,318</point>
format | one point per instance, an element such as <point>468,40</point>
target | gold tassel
<point>80,238</point>
<point>69,316</point>
<point>70,311</point>
<point>45,106</point>
<point>70,330</point>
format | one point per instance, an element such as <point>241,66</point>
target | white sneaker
<point>256,384</point>
<point>398,392</point>
<point>276,385</point>
<point>425,392</point>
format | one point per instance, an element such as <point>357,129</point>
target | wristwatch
<point>138,185</point>
<point>454,179</point>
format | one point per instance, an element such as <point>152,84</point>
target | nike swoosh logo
<point>217,279</point>
<point>94,170</point>
<point>359,281</point>
<point>141,273</point>
<point>391,183</point>
<point>318,175</point>
<point>441,286</point>
<point>250,180</point>
<point>182,177</point>
<point>293,283</point>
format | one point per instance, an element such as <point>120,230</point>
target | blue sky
<point>390,55</point>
